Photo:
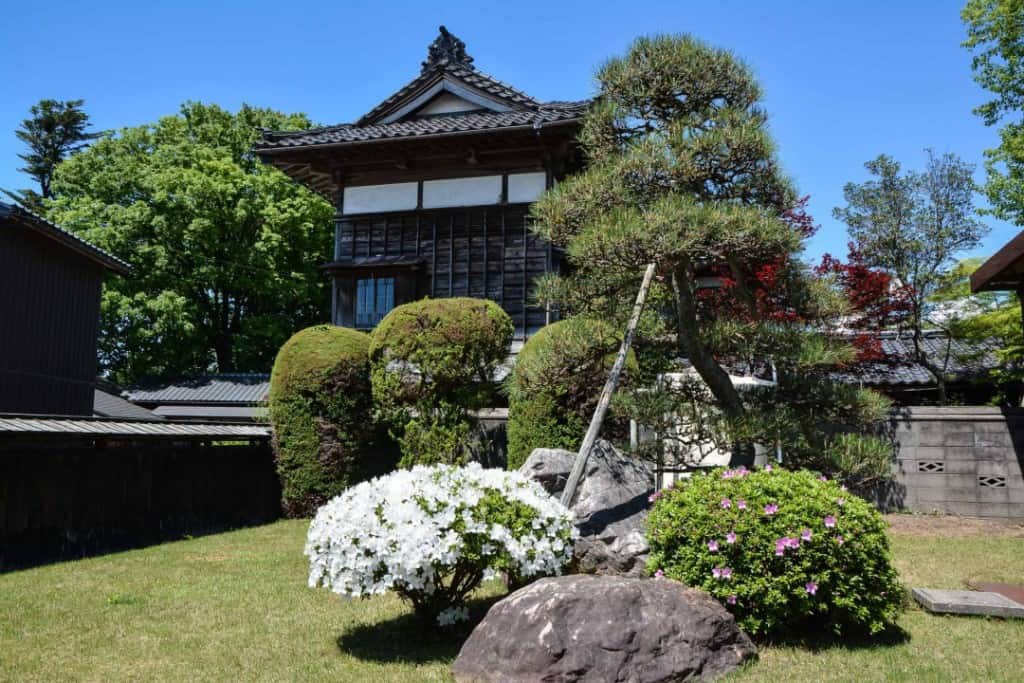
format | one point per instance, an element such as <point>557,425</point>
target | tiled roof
<point>447,66</point>
<point>964,361</point>
<point>229,388</point>
<point>35,222</point>
<point>428,126</point>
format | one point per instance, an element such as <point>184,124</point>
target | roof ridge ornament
<point>446,49</point>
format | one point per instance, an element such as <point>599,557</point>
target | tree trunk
<point>921,357</point>
<point>716,379</point>
<point>223,347</point>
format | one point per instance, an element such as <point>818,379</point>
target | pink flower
<point>823,478</point>
<point>726,573</point>
<point>713,546</point>
<point>811,587</point>
<point>805,535</point>
<point>839,540</point>
<point>716,572</point>
<point>843,487</point>
<point>830,522</point>
<point>780,546</point>
<point>840,501</point>
<point>659,574</point>
<point>730,537</point>
<point>726,503</point>
<point>731,599</point>
<point>792,542</point>
<point>741,504</point>
<point>771,509</point>
<point>768,467</point>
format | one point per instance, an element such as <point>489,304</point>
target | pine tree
<point>55,130</point>
<point>682,172</point>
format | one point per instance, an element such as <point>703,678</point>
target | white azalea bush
<point>432,534</point>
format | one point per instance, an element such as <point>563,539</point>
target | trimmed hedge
<point>321,407</point>
<point>432,361</point>
<point>554,387</point>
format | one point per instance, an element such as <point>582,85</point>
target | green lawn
<point>234,607</point>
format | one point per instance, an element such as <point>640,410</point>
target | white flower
<point>407,530</point>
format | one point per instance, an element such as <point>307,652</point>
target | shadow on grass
<point>408,639</point>
<point>825,640</point>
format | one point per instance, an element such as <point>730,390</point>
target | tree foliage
<point>682,173</point>
<point>225,249</point>
<point>321,408</point>
<point>912,225</point>
<point>54,131</point>
<point>433,361</point>
<point>555,384</point>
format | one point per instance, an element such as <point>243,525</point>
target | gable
<point>446,103</point>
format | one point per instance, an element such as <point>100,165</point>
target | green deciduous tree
<point>55,130</point>
<point>682,172</point>
<point>224,249</point>
<point>913,225</point>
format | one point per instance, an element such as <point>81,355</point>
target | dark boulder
<point>610,508</point>
<point>603,628</point>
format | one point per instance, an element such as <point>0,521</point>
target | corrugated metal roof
<point>35,222</point>
<point>231,388</point>
<point>218,413</point>
<point>108,405</point>
<point>103,427</point>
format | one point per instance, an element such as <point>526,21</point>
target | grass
<point>234,607</point>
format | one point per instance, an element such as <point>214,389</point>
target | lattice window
<point>992,482</point>
<point>931,466</point>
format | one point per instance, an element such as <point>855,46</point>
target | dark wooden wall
<point>68,498</point>
<point>49,314</point>
<point>484,252</point>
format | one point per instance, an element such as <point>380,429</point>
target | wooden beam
<point>580,463</point>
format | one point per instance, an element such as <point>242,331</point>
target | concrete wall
<point>960,460</point>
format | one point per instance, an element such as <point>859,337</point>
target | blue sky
<point>844,81</point>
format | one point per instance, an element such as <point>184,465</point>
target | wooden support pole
<point>580,463</point>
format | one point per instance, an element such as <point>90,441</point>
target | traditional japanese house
<point>433,187</point>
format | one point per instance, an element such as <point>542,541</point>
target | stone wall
<point>959,460</point>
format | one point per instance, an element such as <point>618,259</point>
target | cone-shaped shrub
<point>554,387</point>
<point>788,553</point>
<point>321,409</point>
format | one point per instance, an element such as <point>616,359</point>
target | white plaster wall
<point>447,103</point>
<point>526,187</point>
<point>371,198</point>
<point>461,192</point>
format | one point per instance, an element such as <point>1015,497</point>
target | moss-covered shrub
<point>555,384</point>
<point>432,362</point>
<point>788,553</point>
<point>321,408</point>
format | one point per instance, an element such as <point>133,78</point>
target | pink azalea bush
<point>799,556</point>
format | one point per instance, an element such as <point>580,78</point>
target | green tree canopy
<point>682,172</point>
<point>224,249</point>
<point>55,130</point>
<point>913,225</point>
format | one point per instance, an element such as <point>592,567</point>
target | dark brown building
<point>49,314</point>
<point>433,187</point>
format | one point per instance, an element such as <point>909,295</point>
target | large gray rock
<point>603,628</point>
<point>610,508</point>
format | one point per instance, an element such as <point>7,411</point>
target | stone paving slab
<point>980,603</point>
<point>1014,591</point>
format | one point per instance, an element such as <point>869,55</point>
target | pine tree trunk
<point>716,379</point>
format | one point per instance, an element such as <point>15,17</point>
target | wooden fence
<point>71,498</point>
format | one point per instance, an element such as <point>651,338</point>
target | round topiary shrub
<point>555,385</point>
<point>320,407</point>
<point>788,553</point>
<point>432,361</point>
<point>432,534</point>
